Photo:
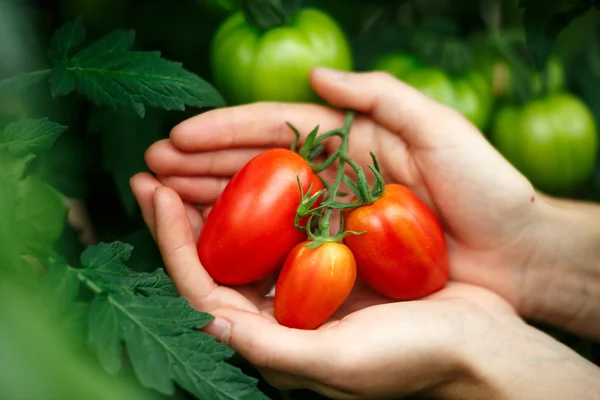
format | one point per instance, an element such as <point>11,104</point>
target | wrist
<point>561,283</point>
<point>508,359</point>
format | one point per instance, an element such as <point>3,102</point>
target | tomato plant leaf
<point>66,39</point>
<point>109,74</point>
<point>160,333</point>
<point>14,167</point>
<point>103,334</point>
<point>105,264</point>
<point>544,20</point>
<point>41,215</point>
<point>62,82</point>
<point>30,135</point>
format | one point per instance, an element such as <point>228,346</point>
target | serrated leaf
<point>109,257</point>
<point>13,167</point>
<point>41,215</point>
<point>544,20</point>
<point>116,41</point>
<point>104,334</point>
<point>62,82</point>
<point>161,333</point>
<point>66,39</point>
<point>30,135</point>
<point>105,266</point>
<point>60,281</point>
<point>163,342</point>
<point>110,75</point>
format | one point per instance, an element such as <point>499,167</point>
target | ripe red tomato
<point>250,229</point>
<point>403,253</point>
<point>313,284</point>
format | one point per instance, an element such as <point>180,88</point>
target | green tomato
<point>468,93</point>
<point>397,64</point>
<point>552,141</point>
<point>250,65</point>
<point>499,75</point>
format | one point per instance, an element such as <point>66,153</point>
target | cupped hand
<point>489,210</point>
<point>371,348</point>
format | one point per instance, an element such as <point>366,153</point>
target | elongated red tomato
<point>313,284</point>
<point>403,253</point>
<point>250,229</point>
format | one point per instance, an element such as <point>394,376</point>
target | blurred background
<point>526,78</point>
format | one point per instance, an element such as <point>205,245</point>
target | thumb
<point>391,103</point>
<point>265,343</point>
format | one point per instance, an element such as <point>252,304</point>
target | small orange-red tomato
<point>403,253</point>
<point>313,284</point>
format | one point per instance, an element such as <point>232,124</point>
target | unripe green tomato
<point>397,63</point>
<point>249,65</point>
<point>552,141</point>
<point>468,93</point>
<point>499,75</point>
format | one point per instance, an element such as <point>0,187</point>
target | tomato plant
<point>313,284</point>
<point>250,229</point>
<point>253,65</point>
<point>551,140</point>
<point>403,252</point>
<point>466,92</point>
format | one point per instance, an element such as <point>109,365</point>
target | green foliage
<point>109,74</point>
<point>159,329</point>
<point>544,20</point>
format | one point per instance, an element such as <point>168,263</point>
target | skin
<point>512,251</point>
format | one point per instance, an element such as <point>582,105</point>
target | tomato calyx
<point>360,189</point>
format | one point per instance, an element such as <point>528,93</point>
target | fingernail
<point>330,73</point>
<point>220,328</point>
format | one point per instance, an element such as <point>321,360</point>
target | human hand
<point>371,348</point>
<point>488,209</point>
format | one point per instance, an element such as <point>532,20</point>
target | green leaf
<point>66,39</point>
<point>105,265</point>
<point>110,257</point>
<point>104,334</point>
<point>108,74</point>
<point>41,217</point>
<point>14,167</point>
<point>9,244</point>
<point>160,333</point>
<point>544,20</point>
<point>117,41</point>
<point>62,82</point>
<point>30,135</point>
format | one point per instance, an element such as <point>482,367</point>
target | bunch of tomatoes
<point>275,216</point>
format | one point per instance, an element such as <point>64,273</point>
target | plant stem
<point>344,133</point>
<point>29,77</point>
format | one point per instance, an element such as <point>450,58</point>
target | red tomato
<point>250,229</point>
<point>313,284</point>
<point>403,253</point>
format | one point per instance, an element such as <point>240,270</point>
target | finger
<point>143,186</point>
<point>257,125</point>
<point>390,102</point>
<point>165,159</point>
<point>266,344</point>
<point>196,190</point>
<point>178,246</point>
